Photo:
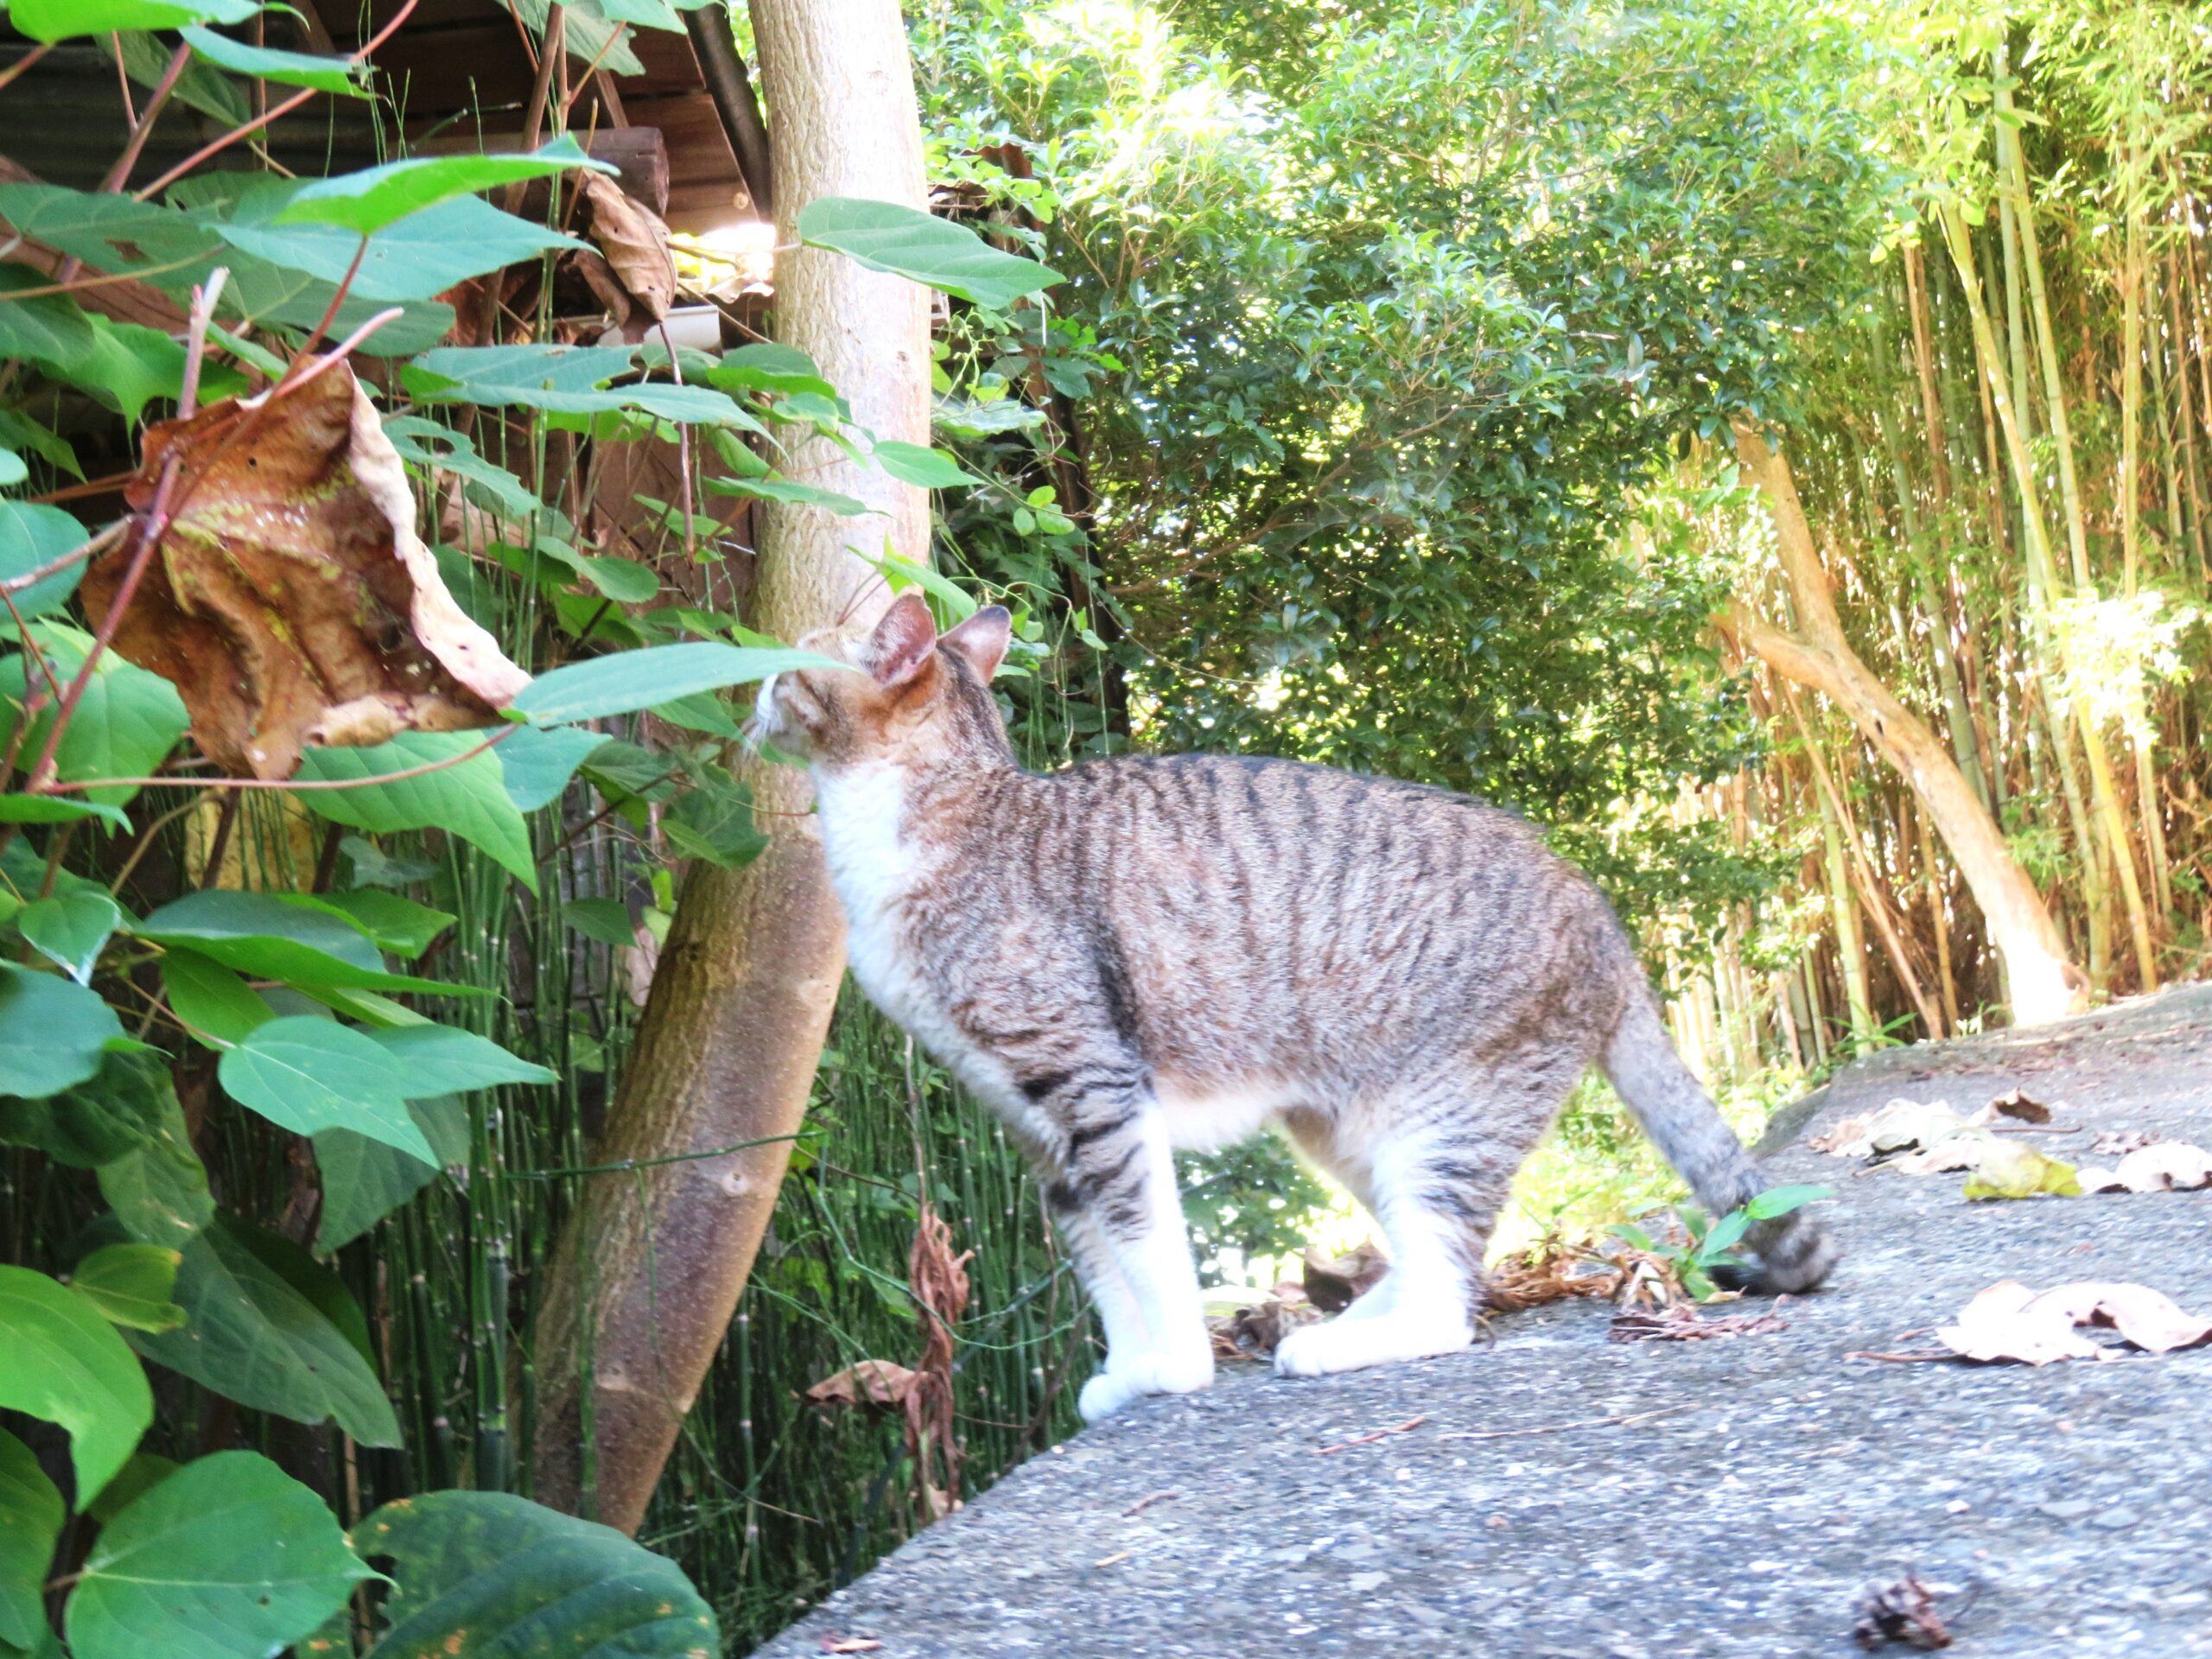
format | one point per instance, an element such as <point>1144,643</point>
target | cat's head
<point>920,699</point>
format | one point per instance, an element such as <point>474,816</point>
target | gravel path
<point>1769,1481</point>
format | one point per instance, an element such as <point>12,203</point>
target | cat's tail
<point>1795,1252</point>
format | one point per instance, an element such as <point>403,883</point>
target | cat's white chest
<point>873,867</point>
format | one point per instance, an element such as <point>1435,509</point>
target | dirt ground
<point>1563,1496</point>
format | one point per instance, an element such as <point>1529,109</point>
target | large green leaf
<point>131,1284</point>
<point>52,1033</point>
<point>30,535</point>
<point>70,930</point>
<point>441,1060</point>
<point>885,236</point>
<point>713,819</point>
<point>273,1331</point>
<point>227,1558</point>
<point>307,946</point>
<point>629,680</point>
<point>918,464</point>
<point>417,257</point>
<point>307,1074</point>
<point>537,762</point>
<point>566,380</point>
<point>216,1004</point>
<point>400,926</point>
<point>158,1189</point>
<point>374,198</point>
<point>58,20</point>
<point>60,1361</point>
<point>31,1512</point>
<point>790,491</point>
<point>498,1575</point>
<point>95,1121</point>
<point>201,85</point>
<point>768,366</point>
<point>468,798</point>
<point>58,809</point>
<point>126,363</point>
<point>45,328</point>
<point>339,76</point>
<point>365,1180</point>
<point>125,723</point>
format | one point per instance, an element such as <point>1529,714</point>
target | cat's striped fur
<point>1141,954</point>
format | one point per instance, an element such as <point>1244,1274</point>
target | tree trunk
<point>1819,656</point>
<point>651,1269</point>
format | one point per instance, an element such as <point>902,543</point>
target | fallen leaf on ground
<point>874,1383</point>
<point>1898,1127</point>
<point>1682,1323</point>
<point>2008,1321</point>
<point>1256,1332</point>
<point>1333,1283</point>
<point>2118,1143</point>
<point>1548,1272</point>
<point>2006,1169</point>
<point>291,602</point>
<point>2016,1105</point>
<point>2163,1167</point>
<point>1902,1612</point>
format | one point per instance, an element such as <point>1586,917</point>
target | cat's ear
<point>982,639</point>
<point>903,640</point>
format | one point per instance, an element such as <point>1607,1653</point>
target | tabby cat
<point>1141,954</point>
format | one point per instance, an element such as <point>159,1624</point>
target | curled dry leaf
<point>2163,1167</point>
<point>1683,1323</point>
<point>1902,1612</point>
<point>1898,1127</point>
<point>1333,1283</point>
<point>2008,1321</point>
<point>1549,1272</point>
<point>634,240</point>
<point>2006,1169</point>
<point>2015,1105</point>
<point>1256,1332</point>
<point>2118,1143</point>
<point>874,1382</point>
<point>292,602</point>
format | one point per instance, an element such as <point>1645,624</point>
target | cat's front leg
<point>1118,1208</point>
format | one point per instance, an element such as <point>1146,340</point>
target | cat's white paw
<point>1344,1345</point>
<point>1119,1383</point>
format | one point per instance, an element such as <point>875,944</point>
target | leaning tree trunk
<point>648,1273</point>
<point>1818,655</point>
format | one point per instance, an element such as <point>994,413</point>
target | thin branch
<point>276,111</point>
<point>119,175</point>
<point>285,784</point>
<point>15,69</point>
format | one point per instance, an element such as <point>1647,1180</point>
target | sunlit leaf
<point>370,199</point>
<point>885,236</point>
<point>61,1363</point>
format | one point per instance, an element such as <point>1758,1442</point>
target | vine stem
<point>119,175</point>
<point>15,69</point>
<point>287,784</point>
<point>275,112</point>
<point>54,566</point>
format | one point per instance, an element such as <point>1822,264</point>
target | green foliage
<point>31,1513</point>
<point>131,1284</point>
<point>467,794</point>
<point>481,1567</point>
<point>52,1033</point>
<point>228,1558</point>
<point>885,236</point>
<point>61,1363</point>
<point>640,679</point>
<point>365,202</point>
<point>1706,1249</point>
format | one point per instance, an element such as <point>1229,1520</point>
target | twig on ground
<point>1406,1428</point>
<point>1148,1500</point>
<point>1560,1428</point>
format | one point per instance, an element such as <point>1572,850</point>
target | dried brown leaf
<point>2017,1106</point>
<point>874,1383</point>
<point>1898,1127</point>
<point>1902,1612</point>
<point>2008,1321</point>
<point>2163,1167</point>
<point>1256,1332</point>
<point>1333,1283</point>
<point>2118,1143</point>
<point>1683,1323</point>
<point>292,601</point>
<point>634,240</point>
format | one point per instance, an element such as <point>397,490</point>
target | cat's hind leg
<point>1437,1169</point>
